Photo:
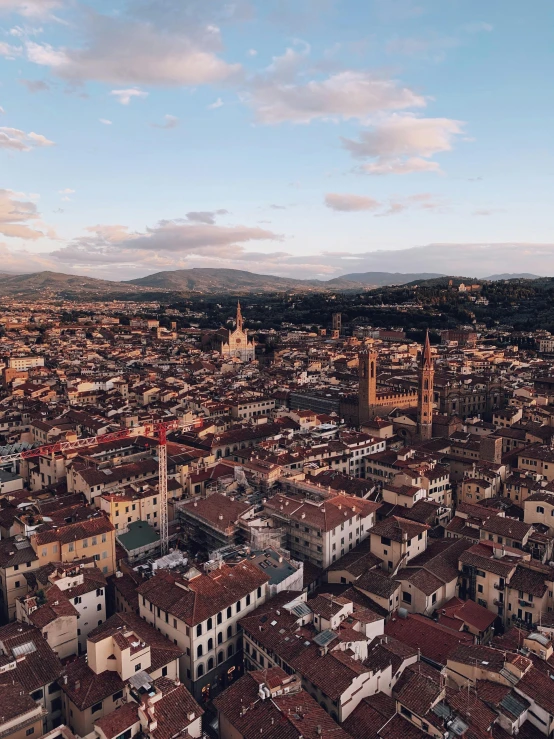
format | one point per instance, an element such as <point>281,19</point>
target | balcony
<point>498,602</point>
<point>499,586</point>
<point>526,604</point>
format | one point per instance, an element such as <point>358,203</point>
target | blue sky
<point>306,138</point>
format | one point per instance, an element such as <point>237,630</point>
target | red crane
<point>159,429</point>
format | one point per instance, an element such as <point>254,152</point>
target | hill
<point>210,280</point>
<point>57,284</point>
<point>382,279</point>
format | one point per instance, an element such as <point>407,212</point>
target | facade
<point>238,346</point>
<point>200,612</point>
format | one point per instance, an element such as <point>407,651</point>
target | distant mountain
<point>209,280</point>
<point>170,284</point>
<point>57,284</point>
<point>513,276</point>
<point>383,279</point>
<point>231,280</point>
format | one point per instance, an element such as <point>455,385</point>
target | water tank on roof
<point>402,613</point>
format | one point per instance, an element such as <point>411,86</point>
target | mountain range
<point>199,281</point>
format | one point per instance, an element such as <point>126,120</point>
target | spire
<point>426,357</point>
<point>239,316</point>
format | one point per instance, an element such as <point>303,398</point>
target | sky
<point>302,138</point>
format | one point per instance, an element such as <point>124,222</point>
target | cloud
<point>2,109</point>
<point>402,144</point>
<point>9,51</point>
<point>171,121</point>
<point>169,242</point>
<point>252,52</point>
<point>16,140</point>
<point>66,191</point>
<point>350,203</point>
<point>105,121</point>
<point>35,85</point>
<point>342,96</point>
<point>487,211</point>
<point>128,50</point>
<point>217,104</point>
<point>30,8</point>
<point>17,216</point>
<point>125,96</point>
<point>206,216</point>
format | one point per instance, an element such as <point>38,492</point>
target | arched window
<point>230,650</point>
<point>210,644</point>
<point>220,638</point>
<point>200,671</point>
<point>220,658</point>
<point>210,623</point>
<point>199,651</point>
<point>199,630</point>
<point>210,664</point>
<point>229,632</point>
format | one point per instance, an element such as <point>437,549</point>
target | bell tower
<point>367,387</point>
<point>239,317</point>
<point>426,382</point>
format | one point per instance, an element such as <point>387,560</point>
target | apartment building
<point>17,557</point>
<point>200,612</point>
<point>21,716</point>
<point>90,536</point>
<point>322,531</point>
<point>95,685</point>
<point>397,540</point>
<point>28,659</point>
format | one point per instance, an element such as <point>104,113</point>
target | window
<point>210,644</point>
<point>479,588</point>
<point>230,650</point>
<point>117,696</point>
<point>103,538</point>
<point>219,617</point>
<point>99,607</point>
<point>138,667</point>
<point>30,730</point>
<point>94,541</point>
<point>71,546</point>
<point>540,509</point>
<point>37,695</point>
<point>248,599</point>
<point>17,583</point>
<point>200,671</point>
<point>77,599</point>
<point>174,623</point>
<point>238,606</point>
<point>406,597</point>
<point>100,592</point>
<point>229,612</point>
<point>164,671</point>
<point>199,650</point>
<point>229,632</point>
<point>259,592</point>
<point>85,543</point>
<point>220,638</point>
<point>211,663</point>
<point>386,541</point>
<point>97,707</point>
<point>199,630</point>
<point>220,658</point>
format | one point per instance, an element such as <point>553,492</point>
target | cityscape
<point>276,370</point>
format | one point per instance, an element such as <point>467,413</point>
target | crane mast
<point>160,429</point>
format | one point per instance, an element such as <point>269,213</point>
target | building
<point>322,531</point>
<point>238,345</point>
<point>200,611</point>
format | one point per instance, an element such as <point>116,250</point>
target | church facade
<point>238,345</point>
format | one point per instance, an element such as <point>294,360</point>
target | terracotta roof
<point>39,665</point>
<point>193,601</point>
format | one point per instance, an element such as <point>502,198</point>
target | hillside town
<point>329,531</point>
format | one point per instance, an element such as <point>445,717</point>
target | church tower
<point>239,327</point>
<point>426,380</point>
<point>367,388</point>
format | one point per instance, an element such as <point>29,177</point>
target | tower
<point>367,388</point>
<point>337,325</point>
<point>238,327</point>
<point>426,381</point>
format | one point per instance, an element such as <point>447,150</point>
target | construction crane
<point>159,429</point>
